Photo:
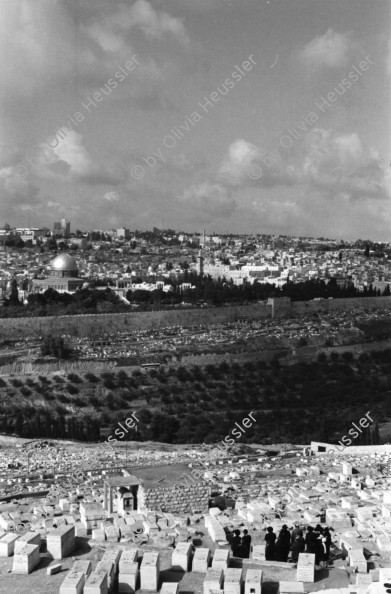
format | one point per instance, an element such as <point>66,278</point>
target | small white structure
<point>201,560</point>
<point>73,583</point>
<point>7,544</point>
<point>150,571</point>
<point>96,583</point>
<point>233,581</point>
<point>220,559</point>
<point>26,559</point>
<point>253,582</point>
<point>181,556</point>
<point>306,568</point>
<point>213,580</point>
<point>60,542</point>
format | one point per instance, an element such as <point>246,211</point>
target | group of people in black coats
<point>316,541</point>
<point>241,545</point>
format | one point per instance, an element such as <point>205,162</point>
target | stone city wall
<point>285,309</point>
<point>95,325</point>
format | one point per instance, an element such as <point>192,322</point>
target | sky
<point>240,116</point>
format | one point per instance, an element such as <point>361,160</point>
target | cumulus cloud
<point>66,154</point>
<point>341,164</point>
<point>330,50</point>
<point>65,157</point>
<point>209,199</point>
<point>247,164</point>
<point>110,33</point>
<point>112,196</point>
<point>332,162</point>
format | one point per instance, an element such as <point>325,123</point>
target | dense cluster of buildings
<point>149,261</point>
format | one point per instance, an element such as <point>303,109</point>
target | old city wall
<point>95,325</point>
<point>90,325</point>
<point>284,309</point>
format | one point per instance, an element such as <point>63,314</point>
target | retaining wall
<point>176,499</point>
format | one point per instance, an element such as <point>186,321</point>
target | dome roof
<point>63,262</point>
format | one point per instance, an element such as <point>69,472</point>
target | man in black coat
<point>246,544</point>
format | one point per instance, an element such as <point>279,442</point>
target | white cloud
<point>110,33</point>
<point>248,164</point>
<point>332,162</point>
<point>156,24</point>
<point>340,164</point>
<point>330,50</point>
<point>112,196</point>
<point>241,156</point>
<point>209,199</point>
<point>37,45</point>
<point>65,155</point>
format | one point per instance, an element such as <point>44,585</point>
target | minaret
<point>200,259</point>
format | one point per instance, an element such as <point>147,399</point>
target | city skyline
<point>245,117</point>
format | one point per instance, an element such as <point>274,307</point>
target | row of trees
<point>191,405</point>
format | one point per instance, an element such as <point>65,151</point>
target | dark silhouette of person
<point>326,542</point>
<point>270,539</point>
<point>235,543</point>
<point>319,549</point>
<point>311,540</point>
<point>283,544</point>
<point>297,531</point>
<point>298,547</point>
<point>246,544</point>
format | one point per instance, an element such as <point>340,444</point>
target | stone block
<point>108,567</point>
<point>220,559</point>
<point>306,568</point>
<point>169,588</point>
<point>96,583</point>
<point>201,560</point>
<point>358,561</point>
<point>233,581</point>
<point>112,556</point>
<point>150,571</point>
<point>26,559</point>
<point>60,542</point>
<point>213,581</point>
<point>82,566</point>
<point>7,544</point>
<point>52,569</point>
<point>73,583</point>
<point>32,538</point>
<point>128,577</point>
<point>253,581</point>
<point>181,556</point>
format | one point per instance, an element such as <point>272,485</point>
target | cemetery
<point>133,530</point>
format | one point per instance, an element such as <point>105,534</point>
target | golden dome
<point>63,264</point>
